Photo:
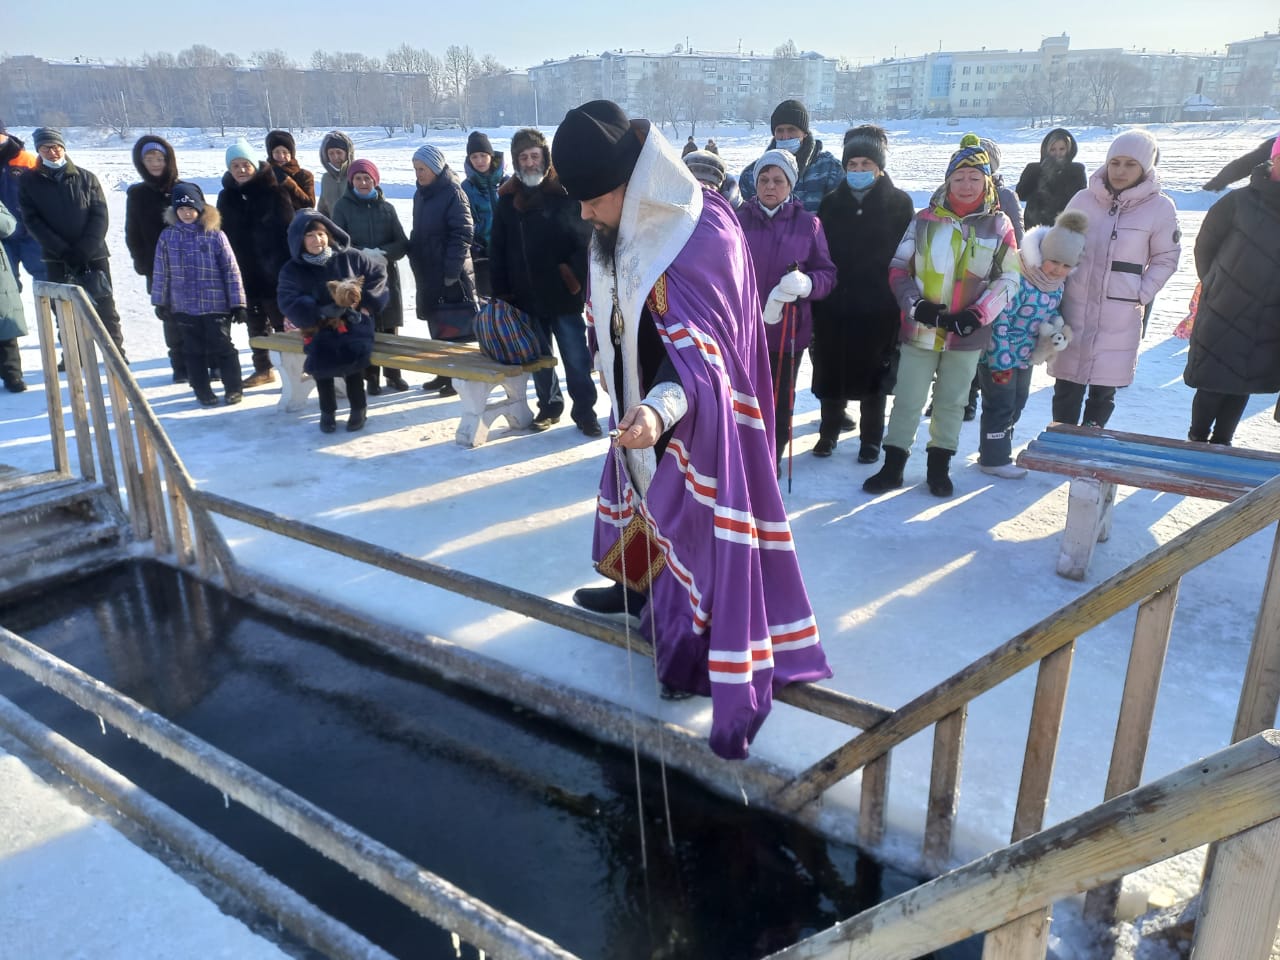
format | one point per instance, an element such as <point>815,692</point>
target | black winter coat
<point>256,217</point>
<point>538,249</point>
<point>440,244</point>
<point>1235,342</point>
<point>66,211</point>
<point>1048,186</point>
<point>374,224</point>
<point>145,205</point>
<point>855,329</point>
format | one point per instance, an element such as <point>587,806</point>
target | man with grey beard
<point>538,263</point>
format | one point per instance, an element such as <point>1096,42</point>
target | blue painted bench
<point>1097,460</point>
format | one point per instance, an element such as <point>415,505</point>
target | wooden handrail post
<point>1133,729</point>
<point>1240,908</point>
<point>98,415</point>
<point>74,362</point>
<point>1261,693</point>
<point>944,789</point>
<point>874,801</point>
<point>52,382</point>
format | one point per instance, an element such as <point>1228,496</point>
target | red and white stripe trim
<point>740,526</point>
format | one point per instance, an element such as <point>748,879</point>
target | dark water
<point>534,819</point>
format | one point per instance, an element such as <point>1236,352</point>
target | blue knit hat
<point>431,156</point>
<point>240,150</point>
<point>970,154</point>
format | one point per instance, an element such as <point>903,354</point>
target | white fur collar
<point>1030,248</point>
<point>659,213</point>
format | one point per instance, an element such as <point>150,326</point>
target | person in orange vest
<point>15,162</point>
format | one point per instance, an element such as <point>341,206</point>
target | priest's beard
<point>605,245</point>
<point>532,180</point>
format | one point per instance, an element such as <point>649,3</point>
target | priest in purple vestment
<point>674,316</point>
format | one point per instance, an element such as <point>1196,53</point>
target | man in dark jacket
<point>144,220</point>
<point>15,163</point>
<point>820,172</point>
<point>66,211</point>
<point>256,213</point>
<point>538,263</point>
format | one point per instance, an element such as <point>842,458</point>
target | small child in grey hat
<point>1048,256</point>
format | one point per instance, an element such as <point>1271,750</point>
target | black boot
<point>890,475</point>
<point>356,420</point>
<point>328,421</point>
<point>610,599</point>
<point>937,471</point>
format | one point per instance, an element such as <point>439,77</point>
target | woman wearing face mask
<point>953,273</point>
<point>817,171</point>
<point>375,230</point>
<point>1131,252</point>
<point>855,329</point>
<point>792,267</point>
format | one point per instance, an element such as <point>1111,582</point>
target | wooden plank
<point>98,412</point>
<point>181,524</point>
<point>1232,791</point>
<point>52,382</point>
<point>1260,695</point>
<point>1042,741</point>
<point>1088,505</point>
<point>75,387</point>
<point>1153,572</point>
<point>415,350</point>
<point>1188,458</point>
<point>129,460</point>
<point>1146,478</point>
<point>1240,907</point>
<point>1059,430</point>
<point>874,802</point>
<point>1026,938</point>
<point>944,790</point>
<point>151,488</point>
<point>1133,728</point>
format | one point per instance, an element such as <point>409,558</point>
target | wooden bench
<point>1097,460</point>
<point>474,376</point>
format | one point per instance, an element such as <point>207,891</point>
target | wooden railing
<point>165,506</point>
<point>156,490</point>
<point>1233,796</point>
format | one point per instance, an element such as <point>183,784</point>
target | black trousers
<point>329,394</point>
<point>206,342</point>
<point>1068,396</point>
<point>870,419</point>
<point>10,361</point>
<point>264,317</point>
<point>106,306</point>
<point>1215,416</point>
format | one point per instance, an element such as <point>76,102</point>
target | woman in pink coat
<point>1131,251</point>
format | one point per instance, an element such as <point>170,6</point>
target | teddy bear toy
<point>1053,337</point>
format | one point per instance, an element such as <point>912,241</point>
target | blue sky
<point>521,35</point>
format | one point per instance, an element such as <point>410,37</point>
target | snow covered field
<point>907,588</point>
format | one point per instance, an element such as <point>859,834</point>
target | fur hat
<point>783,160</point>
<point>527,139</point>
<point>240,150</point>
<point>1064,241</point>
<point>595,149</point>
<point>363,166</point>
<point>187,194</point>
<point>43,136</point>
<point>790,111</point>
<point>867,141</point>
<point>431,157</point>
<point>478,142</point>
<point>970,154</point>
<point>1138,144</point>
<point>282,138</point>
<point>705,166</point>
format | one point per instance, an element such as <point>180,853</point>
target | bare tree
<point>1103,81</point>
<point>210,81</point>
<point>460,65</point>
<point>162,88</point>
<point>419,83</point>
<point>113,92</point>
<point>786,73</point>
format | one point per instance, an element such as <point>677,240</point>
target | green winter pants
<point>917,369</point>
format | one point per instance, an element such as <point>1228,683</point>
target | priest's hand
<point>640,428</point>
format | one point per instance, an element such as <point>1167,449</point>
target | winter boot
<point>328,421</point>
<point>936,471</point>
<point>356,420</point>
<point>890,475</point>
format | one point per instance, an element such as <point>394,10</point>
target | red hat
<point>363,166</point>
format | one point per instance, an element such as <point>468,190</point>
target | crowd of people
<point>928,306</point>
<point>693,295</point>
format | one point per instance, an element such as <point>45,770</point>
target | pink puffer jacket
<point>1131,251</point>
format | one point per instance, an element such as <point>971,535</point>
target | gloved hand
<point>164,313</point>
<point>961,323</point>
<point>782,296</point>
<point>239,314</point>
<point>772,311</point>
<point>75,260</point>
<point>926,312</point>
<point>796,283</point>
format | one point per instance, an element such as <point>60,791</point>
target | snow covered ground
<point>907,588</point>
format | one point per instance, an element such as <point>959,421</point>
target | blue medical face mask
<point>860,179</point>
<point>791,145</point>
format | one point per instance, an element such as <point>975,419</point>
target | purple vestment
<point>729,615</point>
